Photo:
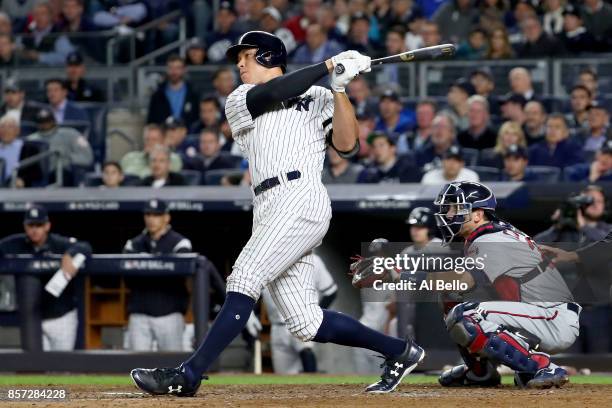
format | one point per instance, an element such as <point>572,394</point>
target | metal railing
<point>38,158</point>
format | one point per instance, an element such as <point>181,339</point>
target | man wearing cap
<point>175,96</point>
<point>394,119</point>
<point>175,137</point>
<point>516,160</point>
<point>79,90</point>
<point>453,169</point>
<point>271,22</point>
<point>74,147</point>
<point>16,104</point>
<point>156,305</point>
<point>58,314</point>
<point>225,33</point>
<point>598,131</point>
<point>196,52</point>
<point>387,166</point>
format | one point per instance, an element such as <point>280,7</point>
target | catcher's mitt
<point>362,270</point>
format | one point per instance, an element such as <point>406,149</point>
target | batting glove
<point>253,325</point>
<point>344,73</point>
<point>364,60</point>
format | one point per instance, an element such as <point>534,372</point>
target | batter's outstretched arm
<point>263,97</point>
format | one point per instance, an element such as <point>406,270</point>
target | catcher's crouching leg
<point>501,346</point>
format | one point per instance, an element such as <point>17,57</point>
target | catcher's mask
<point>456,201</point>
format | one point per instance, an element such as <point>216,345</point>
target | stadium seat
<point>27,128</point>
<point>486,173</point>
<point>81,126</point>
<point>192,177</point>
<point>544,173</point>
<point>576,173</point>
<point>213,177</point>
<point>92,180</point>
<point>97,136</point>
<point>470,156</point>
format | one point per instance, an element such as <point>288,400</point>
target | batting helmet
<point>457,201</point>
<point>422,217</point>
<point>271,51</point>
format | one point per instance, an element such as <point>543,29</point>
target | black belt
<point>274,181</point>
<point>535,272</point>
<point>574,308</point>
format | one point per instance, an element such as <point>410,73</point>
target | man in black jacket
<point>211,157</point>
<point>58,314</point>
<point>174,97</point>
<point>14,101</point>
<point>157,303</point>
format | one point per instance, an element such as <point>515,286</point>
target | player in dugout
<point>58,314</point>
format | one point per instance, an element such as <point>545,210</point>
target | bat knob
<point>339,69</point>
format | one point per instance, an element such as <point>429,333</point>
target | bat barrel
<point>421,54</point>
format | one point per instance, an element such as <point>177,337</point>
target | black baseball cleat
<point>395,369</point>
<point>549,377</point>
<point>160,381</point>
<point>463,376</point>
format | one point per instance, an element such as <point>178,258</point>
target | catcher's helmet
<point>457,201</point>
<point>271,51</point>
<point>422,217</point>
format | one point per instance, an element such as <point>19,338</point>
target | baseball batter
<point>535,315</point>
<point>283,124</point>
<point>289,354</point>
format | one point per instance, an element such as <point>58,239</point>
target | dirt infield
<point>336,396</point>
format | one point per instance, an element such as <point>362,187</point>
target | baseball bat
<point>421,54</point>
<point>257,358</point>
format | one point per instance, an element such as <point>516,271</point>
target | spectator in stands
<point>339,170</point>
<point>598,131</point>
<point>413,38</point>
<point>492,14</point>
<point>10,145</point>
<point>516,160</point>
<point>196,52</point>
<point>18,9</point>
<point>74,147</point>
<point>210,156</point>
<point>366,123</point>
<point>557,150</point>
<point>453,169</point>
<point>75,21</point>
<point>580,100</point>
<point>442,137</point>
<point>479,134</point>
<point>252,19</point>
<point>16,104</point>
<point>520,83</point>
<point>156,304</point>
<point>317,47</point>
<point>112,175</point>
<point>361,97</point>
<point>136,163</point>
<point>387,167</point>
<point>161,175</point>
<point>511,106</point>
<point>6,25</point>
<point>475,47</point>
<point>79,89</point>
<point>552,21</point>
<point>175,96</point>
<point>601,168</point>
<point>430,33</point>
<point>326,17</point>
<point>588,78</point>
<point>224,34</point>
<point>425,113</point>
<point>394,118</point>
<point>455,19</point>
<point>63,109</point>
<point>597,17</point>
<point>121,13</point>
<point>457,97</point>
<point>509,134</point>
<point>42,44</point>
<point>307,16</point>
<point>358,37</point>
<point>522,10</point>
<point>7,51</point>
<point>394,44</point>
<point>484,85</point>
<point>224,82</point>
<point>535,122</point>
<point>537,43</point>
<point>499,45</point>
<point>175,137</point>
<point>210,115</point>
<point>58,314</point>
<point>575,37</point>
<point>271,22</point>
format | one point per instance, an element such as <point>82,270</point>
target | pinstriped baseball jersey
<point>290,137</point>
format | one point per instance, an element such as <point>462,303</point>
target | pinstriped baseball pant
<point>288,222</point>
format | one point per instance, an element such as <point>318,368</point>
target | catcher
<point>533,315</point>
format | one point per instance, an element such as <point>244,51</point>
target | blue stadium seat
<point>95,180</point>
<point>82,126</point>
<point>486,173</point>
<point>192,177</point>
<point>577,172</point>
<point>97,112</point>
<point>544,173</point>
<point>470,156</point>
<point>27,128</point>
<point>213,177</point>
